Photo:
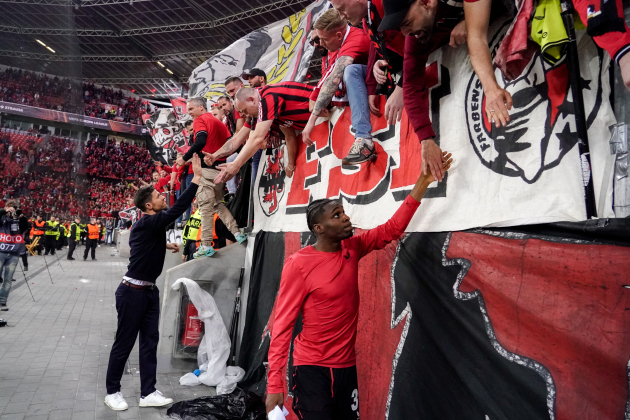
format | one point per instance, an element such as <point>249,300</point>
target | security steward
<point>37,231</point>
<point>51,232</point>
<point>74,236</point>
<point>93,232</point>
<point>61,234</point>
<point>83,232</point>
<point>221,235</point>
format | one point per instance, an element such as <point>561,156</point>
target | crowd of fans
<point>119,161</point>
<point>51,92</point>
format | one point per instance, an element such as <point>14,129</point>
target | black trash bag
<point>239,206</point>
<point>239,405</point>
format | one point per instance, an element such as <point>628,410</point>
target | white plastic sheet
<point>214,349</point>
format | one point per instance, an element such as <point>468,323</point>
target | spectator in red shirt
<point>352,47</point>
<point>386,52</point>
<point>428,26</point>
<point>210,134</point>
<point>321,281</point>
<point>232,85</point>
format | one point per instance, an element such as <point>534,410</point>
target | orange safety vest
<point>37,232</point>
<point>214,231</point>
<point>93,231</point>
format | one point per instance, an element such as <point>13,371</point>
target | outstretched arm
<point>326,93</point>
<point>393,229</point>
<point>498,101</point>
<point>229,147</point>
<point>255,142</point>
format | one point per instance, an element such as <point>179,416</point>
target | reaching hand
<point>394,106</point>
<point>209,158</point>
<point>180,161</point>
<point>373,102</point>
<point>498,102</point>
<point>458,35</point>
<point>447,160</point>
<point>432,159</point>
<point>173,246</point>
<point>379,73</point>
<point>196,166</point>
<point>274,400</point>
<point>228,170</point>
<point>306,133</point>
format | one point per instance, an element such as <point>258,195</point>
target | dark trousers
<point>25,259</point>
<point>72,244</point>
<point>59,243</point>
<point>40,244</point>
<point>49,244</point>
<point>90,244</point>
<point>138,312</point>
<point>323,393</point>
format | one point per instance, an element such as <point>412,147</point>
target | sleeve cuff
<point>274,389</point>
<point>425,132</point>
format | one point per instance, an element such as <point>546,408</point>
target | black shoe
<point>4,307</point>
<point>84,259</point>
<point>25,268</point>
<point>70,259</point>
<point>359,153</point>
<point>94,259</point>
<point>13,279</point>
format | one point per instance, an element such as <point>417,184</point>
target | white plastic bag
<point>189,379</point>
<point>278,414</point>
<point>214,349</point>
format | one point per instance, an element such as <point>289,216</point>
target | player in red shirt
<point>285,104</point>
<point>345,82</point>
<point>321,281</point>
<point>209,135</point>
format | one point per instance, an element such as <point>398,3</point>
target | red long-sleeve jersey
<point>324,286</point>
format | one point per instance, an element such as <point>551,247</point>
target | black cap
<point>395,12</point>
<point>254,72</point>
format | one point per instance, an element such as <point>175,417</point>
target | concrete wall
<point>219,275</point>
<point>122,243</point>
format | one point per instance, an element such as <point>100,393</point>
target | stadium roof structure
<point>149,46</point>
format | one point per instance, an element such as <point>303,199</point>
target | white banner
<point>280,49</point>
<point>528,173</point>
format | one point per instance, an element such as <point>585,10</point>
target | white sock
<point>368,142</point>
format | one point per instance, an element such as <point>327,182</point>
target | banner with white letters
<point>529,172</point>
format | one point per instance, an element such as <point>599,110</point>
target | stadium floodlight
<point>160,64</point>
<point>170,72</point>
<point>50,49</point>
<point>41,42</point>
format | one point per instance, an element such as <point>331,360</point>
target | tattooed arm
<point>229,147</point>
<point>326,93</point>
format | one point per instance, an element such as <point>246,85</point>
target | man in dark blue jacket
<point>137,298</point>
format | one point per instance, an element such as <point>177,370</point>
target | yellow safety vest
<point>193,226</point>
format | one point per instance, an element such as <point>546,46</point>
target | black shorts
<point>322,393</point>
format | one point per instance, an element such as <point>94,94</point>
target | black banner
<point>524,323</point>
<point>65,117</point>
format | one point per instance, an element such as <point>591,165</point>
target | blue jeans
<point>354,79</point>
<point>8,262</point>
<point>108,237</point>
<point>255,161</point>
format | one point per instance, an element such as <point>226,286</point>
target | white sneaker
<point>116,402</point>
<point>156,399</point>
